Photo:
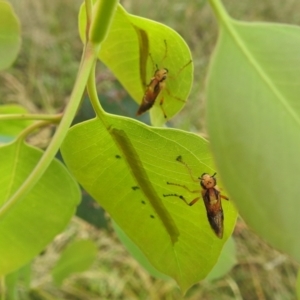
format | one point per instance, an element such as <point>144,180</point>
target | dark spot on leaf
<point>135,188</point>
<point>179,158</point>
<point>152,216</point>
<point>117,156</point>
<point>143,202</point>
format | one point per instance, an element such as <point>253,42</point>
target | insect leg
<point>224,197</point>
<point>183,186</point>
<point>183,199</point>
<point>166,52</point>
<point>162,108</point>
<point>176,98</point>
<point>194,201</point>
<point>180,70</point>
<point>176,195</point>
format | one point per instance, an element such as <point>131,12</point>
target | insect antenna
<point>179,159</point>
<point>153,64</point>
<point>162,60</point>
<point>166,53</point>
<point>183,186</point>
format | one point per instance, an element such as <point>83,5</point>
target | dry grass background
<point>41,80</point>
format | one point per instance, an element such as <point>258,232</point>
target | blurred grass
<point>41,80</point>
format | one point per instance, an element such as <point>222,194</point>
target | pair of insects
<point>211,196</point>
<point>157,85</point>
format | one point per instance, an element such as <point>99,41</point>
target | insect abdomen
<point>216,222</point>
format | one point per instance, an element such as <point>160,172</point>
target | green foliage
<point>173,236</point>
<point>252,91</point>
<point>254,121</point>
<point>126,52</point>
<point>77,257</point>
<point>137,253</point>
<point>27,227</point>
<point>226,261</point>
<point>10,128</point>
<point>20,277</point>
<point>9,35</point>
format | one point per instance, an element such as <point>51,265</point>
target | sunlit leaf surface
<point>126,166</point>
<point>254,123</point>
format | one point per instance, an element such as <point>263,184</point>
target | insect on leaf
<point>133,48</point>
<point>128,176</point>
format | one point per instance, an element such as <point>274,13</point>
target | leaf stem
<point>24,133</point>
<point>92,91</point>
<point>89,57</point>
<point>103,17</point>
<point>219,11</point>
<point>54,118</point>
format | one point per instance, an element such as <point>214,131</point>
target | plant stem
<point>220,11</point>
<point>79,87</point>
<point>24,133</point>
<point>54,118</point>
<point>103,18</point>
<point>92,91</point>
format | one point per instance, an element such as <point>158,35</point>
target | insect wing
<point>150,96</point>
<point>213,205</point>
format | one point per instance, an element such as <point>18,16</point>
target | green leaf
<point>18,280</point>
<point>77,257</point>
<point>226,261</point>
<point>126,52</point>
<point>126,169</point>
<point>11,128</point>
<point>11,285</point>
<point>10,40</point>
<point>137,253</point>
<point>27,227</point>
<point>254,124</point>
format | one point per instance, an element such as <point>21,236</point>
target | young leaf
<point>254,122</point>
<point>127,49</point>
<point>28,226</point>
<point>77,257</point>
<point>126,167</point>
<point>10,40</point>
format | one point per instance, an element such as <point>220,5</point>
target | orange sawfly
<point>156,86</point>
<point>211,196</point>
